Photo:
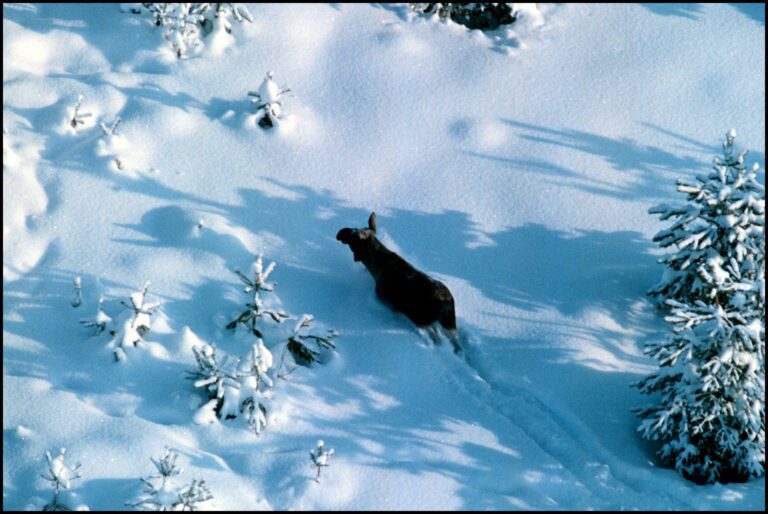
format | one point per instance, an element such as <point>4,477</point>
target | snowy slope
<point>516,167</point>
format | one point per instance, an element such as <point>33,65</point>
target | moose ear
<point>372,222</point>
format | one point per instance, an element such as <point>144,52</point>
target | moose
<point>424,300</point>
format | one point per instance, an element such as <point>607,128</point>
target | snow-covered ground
<point>517,167</point>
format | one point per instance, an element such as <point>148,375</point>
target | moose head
<point>360,240</point>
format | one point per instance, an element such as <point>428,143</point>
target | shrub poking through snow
<point>111,131</point>
<point>484,16</point>
<point>137,325</point>
<point>77,300</point>
<point>77,116</point>
<point>235,387</point>
<point>268,102</point>
<point>320,458</point>
<point>256,309</point>
<point>61,477</point>
<point>303,354</point>
<point>101,321</point>
<point>167,495</point>
<point>711,413</point>
<point>113,143</point>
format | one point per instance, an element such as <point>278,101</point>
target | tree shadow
<point>690,11</point>
<point>531,267</point>
<point>754,11</point>
<point>646,167</point>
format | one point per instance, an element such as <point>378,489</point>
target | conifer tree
<point>711,415</point>
<point>61,476</point>
<point>268,101</point>
<point>219,378</point>
<point>256,308</point>
<point>320,458</point>
<point>167,494</point>
<point>137,325</point>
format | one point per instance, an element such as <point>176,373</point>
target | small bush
<point>483,16</point>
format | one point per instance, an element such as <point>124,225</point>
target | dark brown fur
<point>423,299</point>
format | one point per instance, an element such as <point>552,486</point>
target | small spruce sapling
<point>135,327</point>
<point>184,28</point>
<point>303,354</point>
<point>167,495</point>
<point>101,321</point>
<point>78,290</point>
<point>237,386</point>
<point>61,477</point>
<point>320,458</point>
<point>256,309</point>
<point>268,101</point>
<point>77,116</point>
<point>252,373</point>
<point>219,378</point>
<point>161,13</point>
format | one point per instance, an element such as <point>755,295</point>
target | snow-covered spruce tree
<point>718,235</point>
<point>320,458</point>
<point>218,375</point>
<point>167,495</point>
<point>235,387</point>
<point>256,308</point>
<point>711,414</point>
<point>61,477</point>
<point>268,102</point>
<point>484,16</point>
<point>303,354</point>
<point>136,326</point>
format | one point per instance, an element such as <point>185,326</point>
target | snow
<point>517,167</point>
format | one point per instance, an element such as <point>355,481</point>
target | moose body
<point>423,299</point>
